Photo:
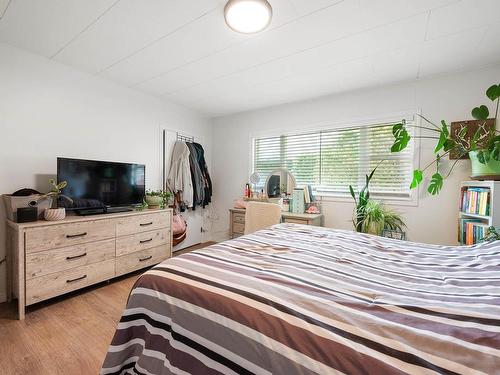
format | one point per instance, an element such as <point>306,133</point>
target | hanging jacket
<point>206,176</point>
<point>179,180</point>
<point>196,176</point>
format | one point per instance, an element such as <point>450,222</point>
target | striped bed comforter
<point>301,300</point>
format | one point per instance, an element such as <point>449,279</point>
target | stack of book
<point>471,231</point>
<point>475,200</point>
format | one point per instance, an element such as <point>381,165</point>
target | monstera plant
<point>483,146</point>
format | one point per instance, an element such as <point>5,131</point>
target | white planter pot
<point>54,214</point>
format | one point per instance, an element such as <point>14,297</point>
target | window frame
<point>411,200</point>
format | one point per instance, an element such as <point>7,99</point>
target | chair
<point>260,215</point>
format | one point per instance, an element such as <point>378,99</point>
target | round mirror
<point>254,178</point>
<point>279,182</point>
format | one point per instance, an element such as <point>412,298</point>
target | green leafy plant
<point>361,201</point>
<point>165,195</point>
<point>55,193</point>
<point>491,235</point>
<point>485,141</point>
<point>371,216</point>
<point>377,217</point>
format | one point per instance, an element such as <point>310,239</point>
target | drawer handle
<point>145,258</point>
<point>76,235</point>
<point>146,241</point>
<point>76,256</point>
<point>146,224</point>
<point>77,279</point>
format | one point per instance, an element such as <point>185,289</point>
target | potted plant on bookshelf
<point>483,147</point>
<point>372,216</point>
<point>157,198</point>
<point>55,212</point>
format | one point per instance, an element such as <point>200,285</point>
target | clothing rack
<point>185,138</point>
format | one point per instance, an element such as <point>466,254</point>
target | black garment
<point>206,176</point>
<point>196,176</point>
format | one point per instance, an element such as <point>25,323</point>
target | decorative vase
<point>154,201</point>
<point>54,214</point>
<point>488,171</point>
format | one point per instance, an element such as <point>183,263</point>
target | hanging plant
<point>483,146</point>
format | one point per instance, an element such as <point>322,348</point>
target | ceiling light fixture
<point>248,16</point>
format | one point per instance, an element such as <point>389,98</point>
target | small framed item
<point>395,234</point>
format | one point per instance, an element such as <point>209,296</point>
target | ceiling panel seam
<point>158,39</point>
<point>85,29</point>
<point>5,10</point>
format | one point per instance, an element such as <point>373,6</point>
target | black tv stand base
<point>114,210</point>
<point>102,210</point>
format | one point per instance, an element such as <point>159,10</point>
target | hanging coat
<point>179,180</point>
<point>206,176</point>
<point>196,176</point>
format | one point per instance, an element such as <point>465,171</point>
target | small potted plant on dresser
<point>55,212</point>
<point>157,198</point>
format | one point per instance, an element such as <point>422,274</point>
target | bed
<point>296,299</point>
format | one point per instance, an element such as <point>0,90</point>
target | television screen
<point>93,183</point>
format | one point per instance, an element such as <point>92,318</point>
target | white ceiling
<point>181,50</point>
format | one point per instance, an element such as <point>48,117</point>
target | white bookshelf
<point>493,219</point>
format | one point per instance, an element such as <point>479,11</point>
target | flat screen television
<point>100,184</point>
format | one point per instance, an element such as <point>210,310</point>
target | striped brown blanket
<point>301,300</point>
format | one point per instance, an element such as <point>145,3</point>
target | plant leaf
<point>418,176</point>
<point>449,144</point>
<point>480,157</point>
<point>495,153</point>
<point>480,113</point>
<point>352,192</point>
<point>401,141</point>
<point>436,184</point>
<point>493,92</point>
<point>443,136</point>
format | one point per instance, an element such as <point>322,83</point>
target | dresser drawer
<point>129,244</point>
<point>62,235</point>
<point>238,218</point>
<point>140,259</point>
<point>42,288</point>
<point>239,227</point>
<point>296,221</point>
<point>142,223</point>
<point>49,261</point>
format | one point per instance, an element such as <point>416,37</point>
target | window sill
<point>391,201</point>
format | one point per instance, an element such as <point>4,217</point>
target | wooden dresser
<point>237,220</point>
<point>50,258</point>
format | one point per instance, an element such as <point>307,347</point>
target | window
<point>331,160</point>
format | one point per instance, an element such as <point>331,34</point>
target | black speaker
<point>27,214</point>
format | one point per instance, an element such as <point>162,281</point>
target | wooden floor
<point>68,335</point>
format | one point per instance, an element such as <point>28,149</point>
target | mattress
<point>296,299</point>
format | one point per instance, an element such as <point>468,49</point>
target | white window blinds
<point>331,160</point>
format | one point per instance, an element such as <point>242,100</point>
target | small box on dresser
<point>47,259</point>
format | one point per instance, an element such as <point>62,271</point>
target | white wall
<point>450,97</point>
<point>49,110</point>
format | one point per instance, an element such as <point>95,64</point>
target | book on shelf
<point>475,200</point>
<point>471,231</point>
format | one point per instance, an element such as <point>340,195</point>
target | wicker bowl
<point>54,214</point>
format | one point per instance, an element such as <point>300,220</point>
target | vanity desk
<point>237,220</point>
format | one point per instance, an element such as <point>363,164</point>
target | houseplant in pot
<point>157,198</point>
<point>371,216</point>
<point>55,212</point>
<point>483,147</point>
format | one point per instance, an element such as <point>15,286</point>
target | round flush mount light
<point>248,16</point>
